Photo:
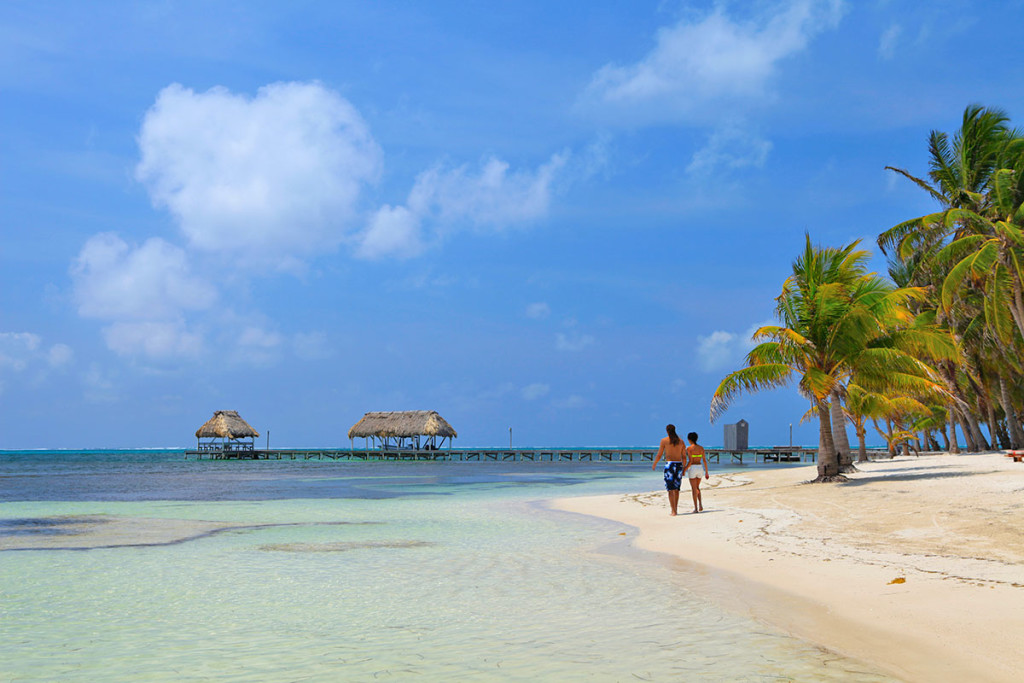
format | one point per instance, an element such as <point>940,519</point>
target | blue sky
<point>563,218</point>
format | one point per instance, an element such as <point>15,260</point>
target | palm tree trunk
<point>887,435</point>
<point>862,449</point>
<point>972,433</point>
<point>828,460</point>
<point>993,426</point>
<point>1012,421</point>
<point>839,435</point>
<point>945,438</point>
<point>979,436</point>
<point>954,446</point>
<point>961,419</point>
<point>948,374</point>
<point>1004,438</point>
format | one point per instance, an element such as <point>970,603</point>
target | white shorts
<point>694,472</point>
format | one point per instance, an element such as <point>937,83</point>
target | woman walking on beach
<point>695,459</point>
<point>672,449</point>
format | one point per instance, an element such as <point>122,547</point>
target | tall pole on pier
<point>510,438</point>
<point>791,435</point>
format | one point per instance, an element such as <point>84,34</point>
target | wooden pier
<point>716,455</point>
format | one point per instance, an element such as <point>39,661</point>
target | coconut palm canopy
<point>402,424</point>
<point>226,424</point>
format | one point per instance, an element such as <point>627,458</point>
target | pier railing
<point>716,455</point>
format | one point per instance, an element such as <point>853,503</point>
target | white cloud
<point>445,200</point>
<point>143,292</point>
<point>152,338</point>
<point>714,59</point>
<point>538,310</point>
<point>99,387</point>
<point>490,197</point>
<point>571,402</point>
<point>495,392</point>
<point>572,341</point>
<point>534,391</point>
<point>270,180</point>
<point>22,352</point>
<point>888,42</point>
<point>723,350</point>
<point>393,231</point>
<point>257,346</point>
<point>59,354</point>
<point>112,280</point>
<point>266,177</point>
<point>717,351</point>
<point>730,147</point>
<point>17,349</point>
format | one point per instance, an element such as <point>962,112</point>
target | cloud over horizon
<point>725,351</point>
<point>445,200</point>
<point>276,175</point>
<point>698,63</point>
<point>271,180</point>
<point>142,294</point>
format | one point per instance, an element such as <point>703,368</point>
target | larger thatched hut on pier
<point>405,429</point>
<point>226,431</point>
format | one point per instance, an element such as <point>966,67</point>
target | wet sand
<point>915,565</point>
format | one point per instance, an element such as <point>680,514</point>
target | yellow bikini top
<point>694,456</point>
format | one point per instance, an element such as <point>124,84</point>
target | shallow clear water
<point>151,568</point>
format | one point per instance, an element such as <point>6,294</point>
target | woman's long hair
<point>673,438</point>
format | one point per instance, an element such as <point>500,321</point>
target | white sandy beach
<point>915,565</point>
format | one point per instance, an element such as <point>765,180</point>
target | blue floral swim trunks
<point>673,475</point>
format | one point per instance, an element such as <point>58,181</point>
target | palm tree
<point>836,318</point>
<point>969,257</point>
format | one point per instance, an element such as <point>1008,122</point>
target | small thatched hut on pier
<point>226,431</point>
<point>406,429</point>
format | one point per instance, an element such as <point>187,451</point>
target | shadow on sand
<point>930,473</point>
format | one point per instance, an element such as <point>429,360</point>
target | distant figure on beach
<point>695,460</point>
<point>672,449</point>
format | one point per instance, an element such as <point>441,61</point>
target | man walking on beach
<point>672,449</point>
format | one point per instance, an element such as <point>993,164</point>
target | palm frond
<point>768,376</point>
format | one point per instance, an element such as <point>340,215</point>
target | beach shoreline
<point>916,565</point>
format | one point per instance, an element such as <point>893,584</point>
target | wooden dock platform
<point>716,455</point>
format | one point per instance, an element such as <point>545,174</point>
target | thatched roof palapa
<point>226,424</point>
<point>403,423</point>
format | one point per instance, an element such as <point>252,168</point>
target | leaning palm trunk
<point>828,460</point>
<point>1012,421</point>
<point>968,423</point>
<point>968,434</point>
<point>839,436</point>
<point>954,445</point>
<point>1004,437</point>
<point>862,449</point>
<point>980,442</point>
<point>993,424</point>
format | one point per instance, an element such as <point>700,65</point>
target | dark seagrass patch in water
<point>341,546</point>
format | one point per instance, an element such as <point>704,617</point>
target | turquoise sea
<point>144,566</point>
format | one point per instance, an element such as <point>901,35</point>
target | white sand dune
<point>916,564</point>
